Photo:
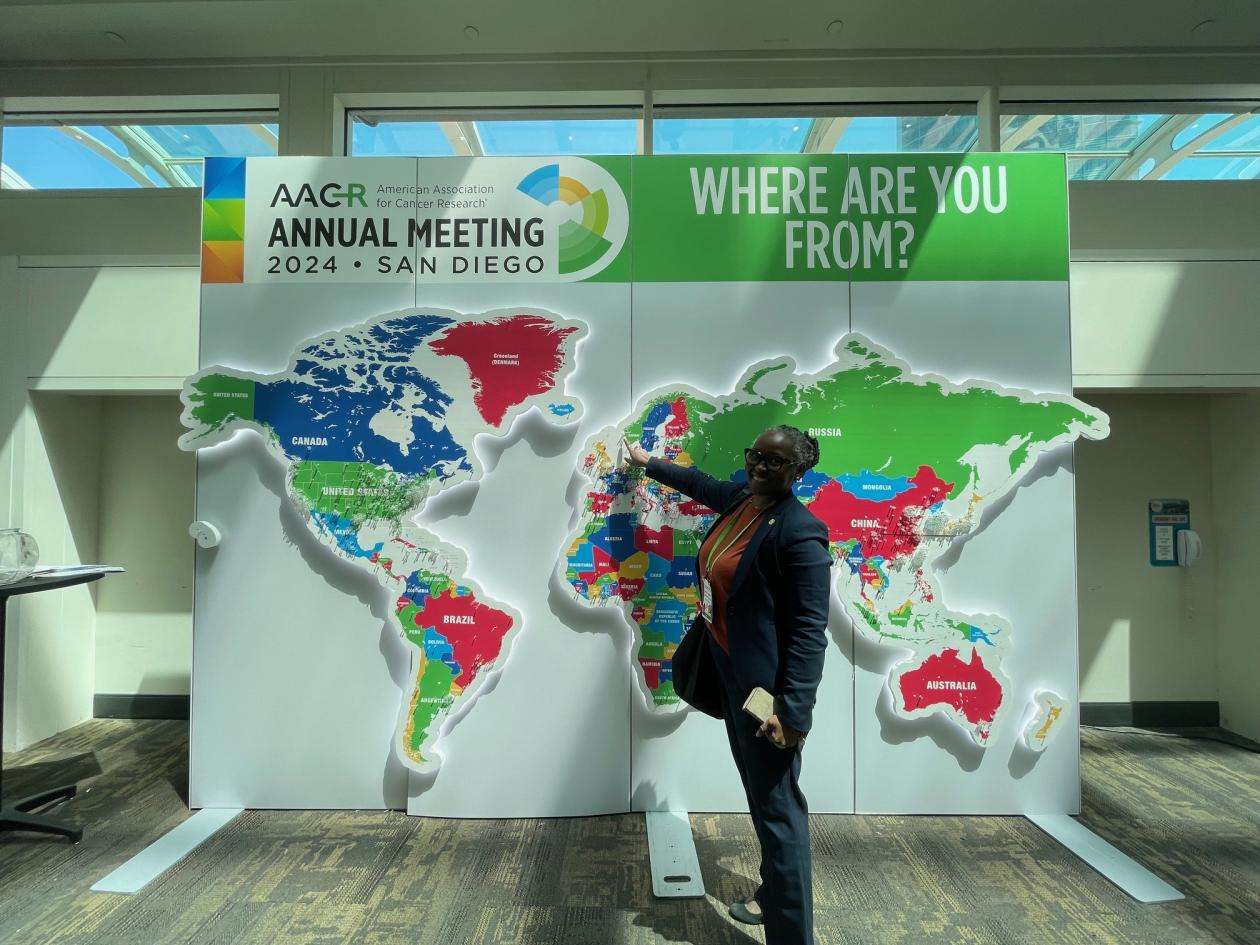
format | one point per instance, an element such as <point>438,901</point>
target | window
<point>890,129</point>
<point>44,152</point>
<point>1156,143</point>
<point>902,128</point>
<point>389,132</point>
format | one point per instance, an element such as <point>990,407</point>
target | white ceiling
<point>61,30</point>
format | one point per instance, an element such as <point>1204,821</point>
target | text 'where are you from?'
<point>875,204</point>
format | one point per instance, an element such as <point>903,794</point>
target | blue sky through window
<point>399,139</point>
<point>729,135</point>
<point>49,157</point>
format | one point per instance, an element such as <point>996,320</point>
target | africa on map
<point>371,422</point>
<point>908,463</point>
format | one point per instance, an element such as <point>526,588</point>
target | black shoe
<point>741,913</point>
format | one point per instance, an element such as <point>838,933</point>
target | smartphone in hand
<point>759,704</point>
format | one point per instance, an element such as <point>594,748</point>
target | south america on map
<point>370,423</point>
<point>907,464</point>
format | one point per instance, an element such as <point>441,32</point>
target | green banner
<point>861,218</point>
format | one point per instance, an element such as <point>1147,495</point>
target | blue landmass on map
<point>344,533</point>
<point>872,487</point>
<point>392,340</point>
<point>305,415</point>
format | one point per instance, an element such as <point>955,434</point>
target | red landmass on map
<point>601,502</point>
<point>883,528</point>
<point>678,424</point>
<point>656,542</point>
<point>510,359</point>
<point>692,507</point>
<point>604,564</point>
<point>651,673</point>
<point>628,588</point>
<point>474,631</point>
<point>944,679</point>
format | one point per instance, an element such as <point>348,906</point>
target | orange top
<point>719,558</point>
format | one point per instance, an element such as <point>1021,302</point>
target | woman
<point>764,574</point>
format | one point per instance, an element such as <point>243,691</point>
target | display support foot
<point>164,852</point>
<point>672,852</point>
<point>1129,875</point>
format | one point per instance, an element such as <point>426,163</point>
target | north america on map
<point>908,463</point>
<point>371,422</point>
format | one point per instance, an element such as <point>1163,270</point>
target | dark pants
<point>779,814</point>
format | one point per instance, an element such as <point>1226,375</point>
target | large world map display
<point>907,465</point>
<point>370,423</point>
<point>373,421</point>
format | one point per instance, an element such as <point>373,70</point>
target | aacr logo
<point>330,195</point>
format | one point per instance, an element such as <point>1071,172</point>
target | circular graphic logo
<point>593,215</point>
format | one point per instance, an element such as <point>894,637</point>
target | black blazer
<point>776,613</point>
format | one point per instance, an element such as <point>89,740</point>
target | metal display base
<point>18,816</point>
<point>167,850</point>
<point>672,852</point>
<point>1126,873</point>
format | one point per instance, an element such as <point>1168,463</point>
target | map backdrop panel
<point>439,585</point>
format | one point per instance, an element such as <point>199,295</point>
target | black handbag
<point>695,674</point>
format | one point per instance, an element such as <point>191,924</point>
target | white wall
<point>1146,633</point>
<point>68,461</point>
<point>1235,433</point>
<point>51,635</point>
<point>1165,324</point>
<point>147,484</point>
<point>110,328</point>
<point>12,454</point>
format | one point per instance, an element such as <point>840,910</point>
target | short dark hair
<point>804,446</point>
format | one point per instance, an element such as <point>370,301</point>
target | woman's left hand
<point>780,734</point>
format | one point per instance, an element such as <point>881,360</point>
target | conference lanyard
<point>717,550</point>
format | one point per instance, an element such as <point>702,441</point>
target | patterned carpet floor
<point>1188,809</point>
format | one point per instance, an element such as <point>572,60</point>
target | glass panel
<point>62,157</point>
<point>1097,146</point>
<point>936,133</point>
<point>423,138</point>
<point>1242,137</point>
<point>1215,168</point>
<point>567,136</point>
<point>729,135</point>
<point>1197,127</point>
<point>111,156</point>
<point>1080,168</point>
<point>398,139</point>
<point>1115,133</point>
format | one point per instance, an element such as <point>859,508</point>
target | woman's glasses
<point>773,463</point>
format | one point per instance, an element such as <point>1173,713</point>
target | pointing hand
<point>638,455</point>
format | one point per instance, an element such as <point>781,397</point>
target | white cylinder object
<point>205,534</point>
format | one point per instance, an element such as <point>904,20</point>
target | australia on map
<point>907,465</point>
<point>371,422</point>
